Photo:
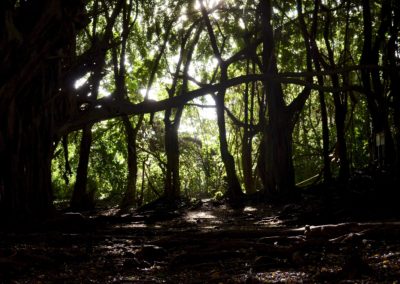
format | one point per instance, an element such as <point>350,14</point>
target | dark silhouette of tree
<point>36,42</point>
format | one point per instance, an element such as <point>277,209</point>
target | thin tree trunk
<point>80,197</point>
<point>172,187</point>
<point>234,190</point>
<point>325,137</point>
<point>141,196</point>
<point>129,198</point>
<point>340,102</point>
<point>172,179</point>
<point>247,163</point>
<point>324,116</point>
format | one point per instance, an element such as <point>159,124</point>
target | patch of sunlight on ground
<point>249,209</point>
<point>139,225</point>
<point>197,215</point>
<point>282,277</point>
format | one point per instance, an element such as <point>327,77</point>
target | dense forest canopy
<point>132,100</point>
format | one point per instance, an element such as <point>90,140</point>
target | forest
<point>199,141</point>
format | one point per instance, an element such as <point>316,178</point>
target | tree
<point>234,190</point>
<point>81,199</point>
<point>36,43</point>
<point>315,55</point>
<point>371,79</point>
<point>275,162</point>
<point>172,181</point>
<point>129,198</point>
<point>255,61</point>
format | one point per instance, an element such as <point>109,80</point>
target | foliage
<point>171,55</point>
<point>201,168</point>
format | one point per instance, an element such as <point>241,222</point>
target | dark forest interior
<point>201,141</point>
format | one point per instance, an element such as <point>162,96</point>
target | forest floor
<point>328,234</point>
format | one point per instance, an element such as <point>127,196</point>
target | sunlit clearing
<point>208,4</point>
<point>151,94</point>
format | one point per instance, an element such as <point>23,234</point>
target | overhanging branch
<point>107,108</point>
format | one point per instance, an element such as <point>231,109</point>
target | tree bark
<point>321,95</point>
<point>172,187</point>
<point>276,162</point>
<point>81,199</point>
<point>340,102</point>
<point>371,81</point>
<point>32,105</point>
<point>172,179</point>
<point>234,190</point>
<point>130,195</point>
<point>247,140</point>
<point>394,75</point>
<point>129,198</point>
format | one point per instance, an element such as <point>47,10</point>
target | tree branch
<point>107,108</point>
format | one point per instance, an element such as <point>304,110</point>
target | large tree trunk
<point>25,162</point>
<point>32,105</point>
<point>376,101</point>
<point>276,162</point>
<point>279,170</point>
<point>393,48</point>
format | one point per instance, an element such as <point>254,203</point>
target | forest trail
<point>208,242</point>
